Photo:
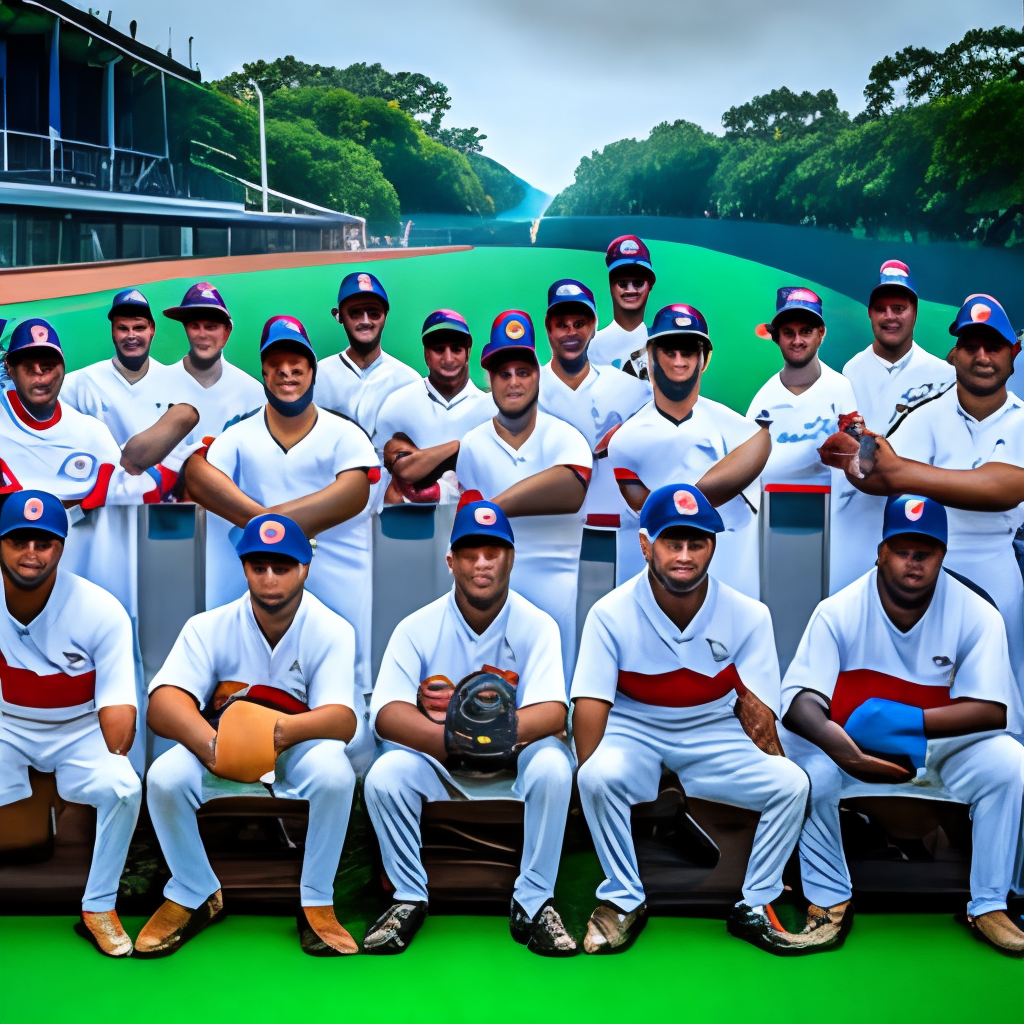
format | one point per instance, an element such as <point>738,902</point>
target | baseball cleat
<point>393,931</point>
<point>827,927</point>
<point>544,933</point>
<point>103,929</point>
<point>173,925</point>
<point>760,927</point>
<point>320,934</point>
<point>997,930</point>
<point>611,930</point>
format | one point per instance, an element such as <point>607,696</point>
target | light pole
<point>263,147</point>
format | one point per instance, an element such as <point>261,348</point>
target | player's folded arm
<point>215,491</point>
<point>545,718</point>
<point>736,470</point>
<point>342,499</point>
<point>174,714</point>
<point>412,465</point>
<point>400,721</point>
<point>560,490</point>
<point>155,443</point>
<point>327,722</point>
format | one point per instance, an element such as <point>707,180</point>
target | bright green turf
<point>902,969</point>
<point>734,294</point>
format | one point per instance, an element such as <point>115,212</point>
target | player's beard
<point>135,363</point>
<point>516,424</point>
<point>200,363</point>
<point>293,408</point>
<point>675,588</point>
<point>363,348</point>
<point>675,391</point>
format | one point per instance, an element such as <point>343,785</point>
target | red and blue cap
<point>284,329</point>
<point>894,274</point>
<point>477,518</point>
<point>362,283</point>
<point>788,299</point>
<point>130,302</point>
<point>34,510</point>
<point>910,513</point>
<point>568,292</point>
<point>678,505</point>
<point>628,250</point>
<point>34,333</point>
<point>445,320</point>
<point>274,534</point>
<point>511,332</point>
<point>985,311</point>
<point>679,318</point>
<point>201,302</point>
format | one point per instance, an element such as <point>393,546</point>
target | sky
<point>549,81</point>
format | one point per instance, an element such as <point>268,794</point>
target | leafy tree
<point>499,183</point>
<point>783,114</point>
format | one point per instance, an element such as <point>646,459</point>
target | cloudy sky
<point>549,81</point>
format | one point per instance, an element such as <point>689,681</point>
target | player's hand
<point>433,697</point>
<point>282,741</point>
<point>873,769</point>
<point>394,450</point>
<point>758,723</point>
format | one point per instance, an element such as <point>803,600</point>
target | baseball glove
<point>480,728</point>
<point>245,751</point>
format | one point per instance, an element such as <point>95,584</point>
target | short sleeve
<point>597,666</point>
<point>223,454</point>
<point>983,670</point>
<point>542,678</point>
<point>115,665</point>
<point>332,680</point>
<point>466,463</point>
<point>73,391</point>
<point>757,660</point>
<point>353,450</point>
<point>399,675</point>
<point>736,429</point>
<point>189,666</point>
<point>815,665</point>
<point>572,448</point>
<point>621,457</point>
<point>385,428</point>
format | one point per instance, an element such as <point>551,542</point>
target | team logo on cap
<point>914,510</point>
<point>135,296</point>
<point>629,247</point>
<point>272,532</point>
<point>685,503</point>
<point>33,509</point>
<point>514,330</point>
<point>568,289</point>
<point>291,325</point>
<point>684,321</point>
<point>485,516</point>
<point>364,282</point>
<point>802,295</point>
<point>979,313</point>
<point>893,269</point>
<point>207,290</point>
<point>40,333</point>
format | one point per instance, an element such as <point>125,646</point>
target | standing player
<point>420,425</point>
<point>890,377</point>
<point>907,671</point>
<point>536,468</point>
<point>355,382</point>
<point>593,399</point>
<point>622,343</point>
<point>290,663</point>
<point>296,459</point>
<point>677,669</point>
<point>479,628</point>
<point>67,697</point>
<point>682,436</point>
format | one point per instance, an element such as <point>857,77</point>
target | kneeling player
<point>284,663</point>
<point>504,653</point>
<point>677,669</point>
<point>68,697</point>
<point>908,664</point>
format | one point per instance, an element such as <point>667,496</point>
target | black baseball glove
<point>480,729</point>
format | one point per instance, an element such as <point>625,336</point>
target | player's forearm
<point>406,724</point>
<point>329,722</point>
<point>420,464</point>
<point>154,444</point>
<point>993,487</point>
<point>758,721</point>
<point>539,720</point>
<point>117,723</point>
<point>634,494</point>
<point>589,721</point>
<point>554,491</point>
<point>173,714</point>
<point>963,717</point>
<point>335,504</point>
<point>218,493</point>
<point>737,470</point>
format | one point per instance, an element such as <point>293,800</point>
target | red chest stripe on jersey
<point>860,684</point>
<point>98,495</point>
<point>28,690</point>
<point>8,481</point>
<point>27,418</point>
<point>276,698</point>
<point>626,476</point>
<point>682,688</point>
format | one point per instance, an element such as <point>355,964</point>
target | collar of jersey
<point>672,419</point>
<point>449,403</point>
<point>900,363</point>
<point>663,625</point>
<point>1012,402</point>
<point>27,418</point>
<point>499,624</point>
<point>250,619</point>
<point>358,371</point>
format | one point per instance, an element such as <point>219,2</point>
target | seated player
<point>536,468</point>
<point>67,697</point>
<point>905,673</point>
<point>623,343</point>
<point>480,647</point>
<point>420,425</point>
<point>276,667</point>
<point>676,669</point>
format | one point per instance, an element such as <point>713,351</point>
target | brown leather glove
<point>433,697</point>
<point>244,751</point>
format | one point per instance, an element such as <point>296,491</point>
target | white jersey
<point>799,425</point>
<point>234,395</point>
<point>312,663</point>
<point>634,657</point>
<point>436,641</point>
<point>851,652</point>
<point>73,658</point>
<point>603,402</point>
<point>614,345</point>
<point>357,394</point>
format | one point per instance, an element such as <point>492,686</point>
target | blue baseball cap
<point>985,311</point>
<point>511,332</point>
<point>792,297</point>
<point>568,292</point>
<point>286,331</point>
<point>362,283</point>
<point>628,250</point>
<point>273,534</point>
<point>678,505</point>
<point>130,302</point>
<point>679,318</point>
<point>201,302</point>
<point>478,518</point>
<point>34,510</point>
<point>894,274</point>
<point>445,320</point>
<point>910,513</point>
<point>34,333</point>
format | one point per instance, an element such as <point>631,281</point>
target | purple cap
<point>792,297</point>
<point>34,333</point>
<point>130,302</point>
<point>985,311</point>
<point>362,283</point>
<point>286,330</point>
<point>628,250</point>
<point>512,331</point>
<point>679,318</point>
<point>202,302</point>
<point>481,519</point>
<point>274,534</point>
<point>894,274</point>
<point>568,292</point>
<point>445,320</point>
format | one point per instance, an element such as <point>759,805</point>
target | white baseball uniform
<point>436,640</point>
<point>672,695</point>
<point>358,394</point>
<point>980,545</point>
<point>547,564</point>
<point>340,574</point>
<point>885,391</point>
<point>656,450</point>
<point>313,663</point>
<point>851,652</point>
<point>234,395</point>
<point>614,345</point>
<point>72,659</point>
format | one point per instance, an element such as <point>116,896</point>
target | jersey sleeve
<point>466,464</point>
<point>572,448</point>
<point>74,392</point>
<point>757,660</point>
<point>983,670</point>
<point>354,450</point>
<point>597,666</point>
<point>621,457</point>
<point>399,675</point>
<point>542,678</point>
<point>332,680</point>
<point>223,454</point>
<point>736,429</point>
<point>115,665</point>
<point>189,666</point>
<point>815,666</point>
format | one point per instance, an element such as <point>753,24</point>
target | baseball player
<point>890,377</point>
<point>591,398</point>
<point>678,669</point>
<point>355,383</point>
<point>536,468</point>
<point>276,668</point>
<point>67,697</point>
<point>682,436</point>
<point>622,343</point>
<point>904,677</point>
<point>480,629</point>
<point>420,425</point>
<point>294,458</point>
